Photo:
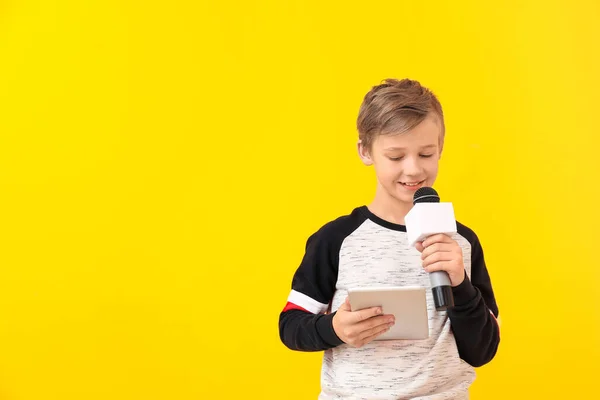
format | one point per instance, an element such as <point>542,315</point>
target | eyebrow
<point>403,148</point>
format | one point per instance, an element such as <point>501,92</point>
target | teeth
<point>411,184</point>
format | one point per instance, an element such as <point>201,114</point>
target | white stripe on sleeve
<point>308,303</point>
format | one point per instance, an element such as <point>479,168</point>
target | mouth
<point>412,185</point>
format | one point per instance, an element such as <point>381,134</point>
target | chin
<point>402,197</point>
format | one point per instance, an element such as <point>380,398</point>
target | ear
<point>364,154</point>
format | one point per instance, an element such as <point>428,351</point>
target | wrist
<point>326,330</point>
<point>464,292</point>
<point>459,281</point>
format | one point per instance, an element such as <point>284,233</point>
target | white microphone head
<point>428,216</point>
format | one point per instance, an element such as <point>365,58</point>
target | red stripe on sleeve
<point>292,306</point>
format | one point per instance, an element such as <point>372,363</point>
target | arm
<point>473,317</point>
<point>301,330</point>
<point>303,323</point>
<point>319,332</point>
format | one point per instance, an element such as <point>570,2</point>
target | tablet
<point>408,304</point>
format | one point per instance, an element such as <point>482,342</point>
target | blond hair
<point>395,107</point>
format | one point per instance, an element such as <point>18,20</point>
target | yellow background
<point>162,164</point>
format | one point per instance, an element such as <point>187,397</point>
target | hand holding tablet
<point>408,305</point>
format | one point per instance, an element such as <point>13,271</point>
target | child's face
<point>405,162</point>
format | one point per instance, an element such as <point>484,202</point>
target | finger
<point>380,332</point>
<point>363,315</point>
<point>419,247</point>
<point>439,266</point>
<point>438,238</point>
<point>376,328</point>
<point>438,256</point>
<point>436,247</point>
<point>371,323</point>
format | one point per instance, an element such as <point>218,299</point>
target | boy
<point>401,134</point>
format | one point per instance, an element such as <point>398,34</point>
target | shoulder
<point>467,233</point>
<point>336,230</point>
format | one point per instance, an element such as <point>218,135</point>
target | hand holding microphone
<point>442,253</point>
<point>428,225</point>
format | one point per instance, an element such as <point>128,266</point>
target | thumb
<point>345,305</point>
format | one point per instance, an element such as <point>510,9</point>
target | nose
<point>412,166</point>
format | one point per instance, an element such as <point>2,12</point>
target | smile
<point>412,185</point>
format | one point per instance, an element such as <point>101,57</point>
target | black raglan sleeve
<point>305,323</point>
<point>474,315</point>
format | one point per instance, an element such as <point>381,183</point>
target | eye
<point>426,155</point>
<point>395,158</point>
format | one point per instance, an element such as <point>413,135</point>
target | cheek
<point>390,170</point>
<point>386,171</point>
<point>432,167</point>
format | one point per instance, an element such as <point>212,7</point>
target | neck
<point>388,208</point>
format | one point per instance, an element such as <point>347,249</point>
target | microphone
<point>429,217</point>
